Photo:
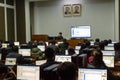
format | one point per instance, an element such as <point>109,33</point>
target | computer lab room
<point>59,40</point>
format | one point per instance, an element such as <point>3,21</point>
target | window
<point>10,2</point>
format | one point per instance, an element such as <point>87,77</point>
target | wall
<point>100,14</point>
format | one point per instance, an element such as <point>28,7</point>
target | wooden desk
<point>72,42</point>
<point>44,37</point>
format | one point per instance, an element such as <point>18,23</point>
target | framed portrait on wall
<point>67,10</point>
<point>76,9</point>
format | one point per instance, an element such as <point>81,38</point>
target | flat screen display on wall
<point>81,31</point>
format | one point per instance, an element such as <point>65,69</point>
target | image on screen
<point>92,74</point>
<point>77,47</point>
<point>40,62</point>
<point>62,58</point>
<point>41,47</point>
<point>81,32</point>
<point>28,72</point>
<point>10,61</point>
<point>25,52</point>
<point>109,48</point>
<point>108,60</point>
<point>108,52</point>
<point>16,43</point>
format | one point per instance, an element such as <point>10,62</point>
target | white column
<point>6,36</point>
<point>116,36</point>
<point>27,20</point>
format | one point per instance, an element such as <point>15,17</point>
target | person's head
<point>67,9</point>
<point>97,40</point>
<point>76,8</point>
<point>98,58</point>
<point>15,49</point>
<point>71,51</point>
<point>49,53</point>
<point>3,71</point>
<point>67,71</point>
<point>60,33</point>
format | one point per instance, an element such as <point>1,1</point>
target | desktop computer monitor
<point>63,58</point>
<point>10,61</point>
<point>109,58</point>
<point>28,72</point>
<point>40,62</point>
<point>17,43</point>
<point>108,52</point>
<point>25,52</point>
<point>77,47</point>
<point>4,45</point>
<point>92,74</point>
<point>109,48</point>
<point>76,51</point>
<point>41,47</point>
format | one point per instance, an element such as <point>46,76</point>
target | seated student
<point>50,56</point>
<point>67,71</point>
<point>3,71</point>
<point>36,54</point>
<point>71,51</point>
<point>99,63</point>
<point>54,47</point>
<point>15,54</point>
<point>60,37</point>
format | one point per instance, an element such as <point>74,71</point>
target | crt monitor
<point>83,31</point>
<point>28,72</point>
<point>25,52</point>
<point>92,74</point>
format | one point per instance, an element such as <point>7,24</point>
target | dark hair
<point>98,59</point>
<point>61,32</point>
<point>49,53</point>
<point>71,51</point>
<point>3,68</point>
<point>67,71</point>
<point>15,48</point>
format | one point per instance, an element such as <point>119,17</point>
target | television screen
<point>80,31</point>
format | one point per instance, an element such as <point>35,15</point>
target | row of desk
<point>72,42</point>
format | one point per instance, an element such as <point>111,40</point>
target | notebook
<point>92,74</point>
